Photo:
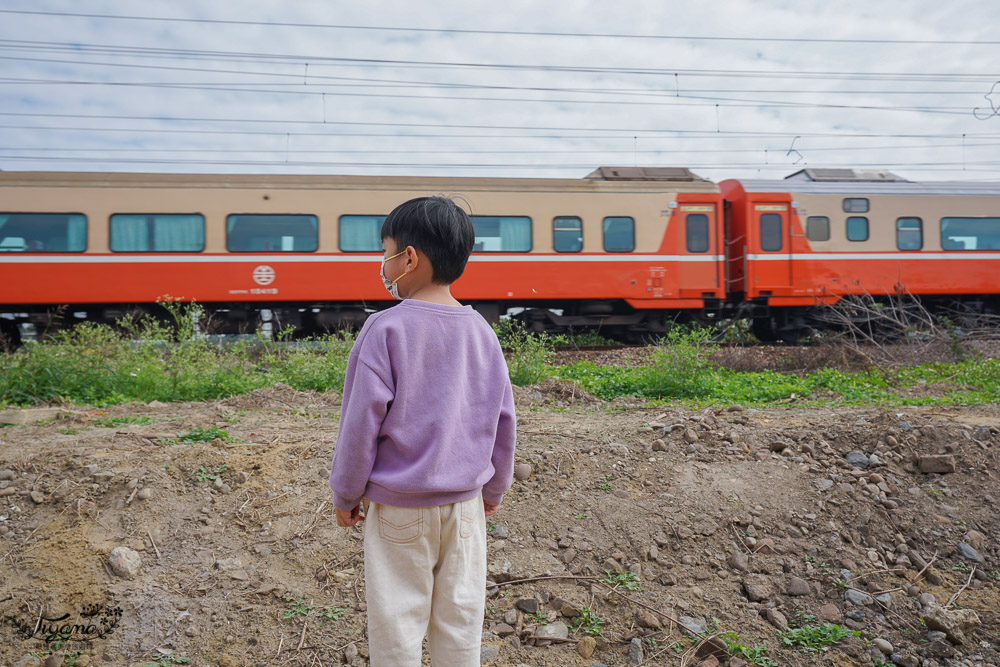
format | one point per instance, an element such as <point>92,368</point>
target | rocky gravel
<point>633,534</point>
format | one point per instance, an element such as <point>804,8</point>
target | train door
<point>771,253</point>
<point>699,271</point>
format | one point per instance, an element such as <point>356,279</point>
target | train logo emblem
<point>263,274</point>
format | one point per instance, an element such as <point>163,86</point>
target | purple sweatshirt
<point>428,411</point>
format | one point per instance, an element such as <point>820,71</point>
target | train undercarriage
<point>886,317</point>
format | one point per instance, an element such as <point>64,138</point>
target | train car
<point>623,248</point>
<point>822,234</point>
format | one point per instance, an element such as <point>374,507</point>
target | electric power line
<point>412,151</point>
<point>807,40</point>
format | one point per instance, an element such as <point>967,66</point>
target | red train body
<point>625,249</point>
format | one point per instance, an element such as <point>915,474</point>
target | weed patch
<point>624,580</point>
<point>206,435</point>
<point>587,622</point>
<point>204,474</point>
<point>812,638</point>
<point>527,354</point>
<point>755,655</point>
<point>152,359</point>
<point>114,422</point>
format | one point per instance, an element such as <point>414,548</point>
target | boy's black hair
<point>437,227</point>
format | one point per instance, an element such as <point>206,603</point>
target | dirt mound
<point>725,520</point>
<point>553,393</point>
<point>280,395</point>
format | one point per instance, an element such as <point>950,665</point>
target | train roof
<point>594,182</point>
<point>856,181</point>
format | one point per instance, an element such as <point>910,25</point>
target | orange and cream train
<point>626,249</point>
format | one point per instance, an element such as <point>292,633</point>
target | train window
<point>619,234</point>
<point>857,228</point>
<point>140,232</point>
<point>567,234</point>
<point>818,228</point>
<point>43,232</point>
<point>271,233</point>
<point>502,233</point>
<point>770,232</point>
<point>696,232</point>
<point>855,205</point>
<point>909,233</point>
<point>970,233</point>
<point>361,233</point>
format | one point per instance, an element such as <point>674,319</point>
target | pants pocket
<point>467,522</point>
<point>400,525</point>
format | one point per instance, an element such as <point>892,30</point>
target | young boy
<point>427,436</point>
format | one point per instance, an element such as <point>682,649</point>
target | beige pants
<point>425,574</point>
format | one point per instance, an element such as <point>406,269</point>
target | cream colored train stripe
<point>11,258</point>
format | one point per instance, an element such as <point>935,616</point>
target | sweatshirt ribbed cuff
<point>344,503</point>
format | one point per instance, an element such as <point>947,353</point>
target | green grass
<point>168,361</point>
<point>94,364</point>
<point>206,435</point>
<point>113,422</point>
<point>664,378</point>
<point>528,355</point>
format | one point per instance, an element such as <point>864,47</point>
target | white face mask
<point>390,285</point>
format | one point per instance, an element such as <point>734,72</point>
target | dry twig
<point>962,589</point>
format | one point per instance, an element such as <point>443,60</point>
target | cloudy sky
<point>728,88</point>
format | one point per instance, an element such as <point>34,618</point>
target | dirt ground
<point>731,520</point>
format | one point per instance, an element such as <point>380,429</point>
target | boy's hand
<point>490,508</point>
<point>346,519</point>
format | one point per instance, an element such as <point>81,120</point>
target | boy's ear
<point>411,257</point>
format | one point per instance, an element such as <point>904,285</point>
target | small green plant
<point>206,435</point>
<point>204,474</point>
<point>491,526</point>
<point>331,613</point>
<point>798,619</point>
<point>580,515</point>
<point>961,566</point>
<point>69,431</point>
<point>70,658</point>
<point>624,580</point>
<point>813,638</point>
<point>755,655</point>
<point>113,422</point>
<point>166,661</point>
<point>605,483</point>
<point>588,622</point>
<point>300,609</point>
<point>995,574</point>
<point>539,618</point>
